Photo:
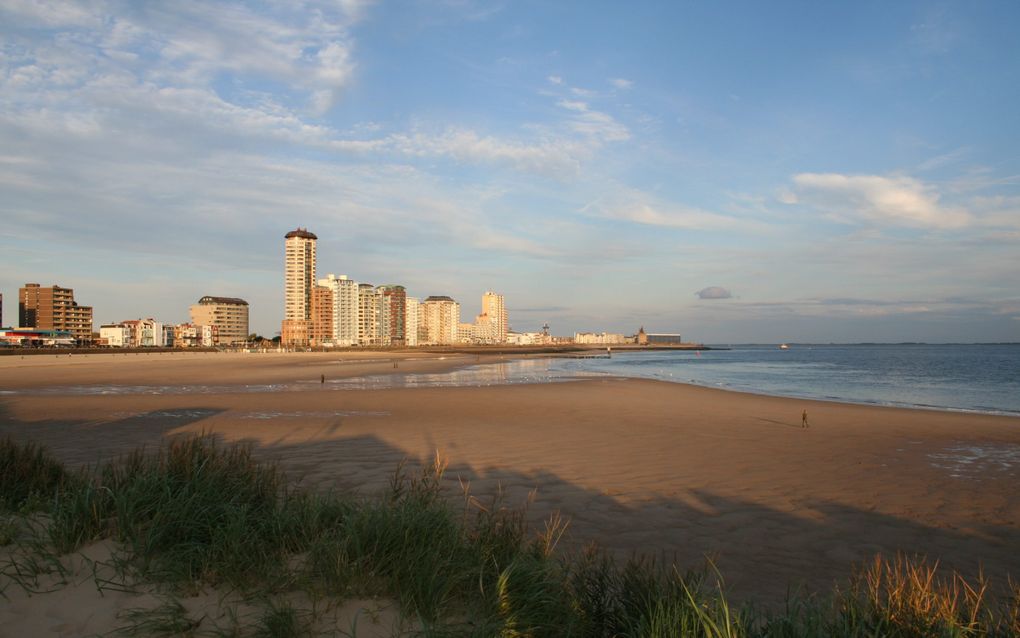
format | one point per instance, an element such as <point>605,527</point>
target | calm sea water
<point>979,378</point>
<point>973,378</point>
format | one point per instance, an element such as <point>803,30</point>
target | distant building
<point>31,338</point>
<point>494,312</point>
<point>441,319</point>
<point>600,338</point>
<point>412,311</point>
<point>147,333</point>
<point>115,335</point>
<point>189,335</point>
<point>525,338</point>
<point>54,308</point>
<point>228,314</point>
<point>465,333</point>
<point>368,315</point>
<point>299,282</point>
<point>392,314</point>
<point>484,331</point>
<point>657,339</point>
<point>322,317</point>
<point>344,300</point>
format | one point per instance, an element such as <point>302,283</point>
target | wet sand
<point>638,466</point>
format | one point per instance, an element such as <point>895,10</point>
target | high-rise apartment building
<point>322,317</point>
<point>441,318</point>
<point>368,315</point>
<point>412,309</point>
<point>299,284</point>
<point>392,314</point>
<point>54,308</point>
<point>228,314</point>
<point>344,299</point>
<point>494,312</point>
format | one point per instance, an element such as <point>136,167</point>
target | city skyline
<point>739,173</point>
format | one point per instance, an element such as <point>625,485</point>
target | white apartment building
<point>344,292</point>
<point>412,308</point>
<point>368,315</point>
<point>116,335</point>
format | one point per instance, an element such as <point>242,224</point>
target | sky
<point>735,172</point>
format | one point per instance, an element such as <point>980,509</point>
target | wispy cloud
<point>654,213</point>
<point>901,201</point>
<point>594,124</point>
<point>621,83</point>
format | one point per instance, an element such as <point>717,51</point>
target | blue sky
<point>731,171</point>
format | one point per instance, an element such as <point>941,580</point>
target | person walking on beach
<point>803,419</point>
<point>322,379</point>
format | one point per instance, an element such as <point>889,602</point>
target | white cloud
<point>594,124</point>
<point>189,44</point>
<point>621,83</point>
<point>573,105</point>
<point>786,196</point>
<point>900,201</point>
<point>559,156</point>
<point>639,210</point>
<point>555,79</point>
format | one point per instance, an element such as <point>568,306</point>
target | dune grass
<point>194,515</point>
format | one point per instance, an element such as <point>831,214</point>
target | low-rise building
<point>643,338</point>
<point>600,338</point>
<point>115,335</point>
<point>189,335</point>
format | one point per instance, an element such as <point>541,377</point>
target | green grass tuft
<point>29,476</point>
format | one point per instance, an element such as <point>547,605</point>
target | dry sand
<point>638,466</point>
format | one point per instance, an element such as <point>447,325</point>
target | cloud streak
<point>899,201</point>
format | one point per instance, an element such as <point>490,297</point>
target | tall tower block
<point>299,285</point>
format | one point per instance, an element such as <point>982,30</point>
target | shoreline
<point>375,364</point>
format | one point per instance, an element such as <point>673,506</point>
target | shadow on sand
<point>762,553</point>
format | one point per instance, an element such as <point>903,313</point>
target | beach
<point>679,472</point>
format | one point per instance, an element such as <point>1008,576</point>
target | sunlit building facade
<point>229,315</point>
<point>441,319</point>
<point>299,284</point>
<point>54,308</point>
<point>344,300</point>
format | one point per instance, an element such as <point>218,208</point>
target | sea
<point>979,378</point>
<point>973,378</point>
<point>983,378</point>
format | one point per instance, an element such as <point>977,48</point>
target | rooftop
<point>300,232</point>
<point>208,300</point>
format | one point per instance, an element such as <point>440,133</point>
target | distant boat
<point>783,346</point>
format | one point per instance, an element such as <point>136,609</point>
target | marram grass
<point>195,514</point>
